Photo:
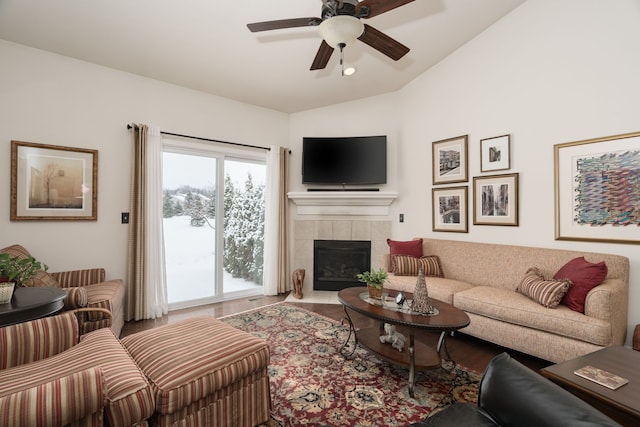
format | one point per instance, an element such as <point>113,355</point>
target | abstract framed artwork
<point>495,153</point>
<point>52,182</point>
<point>495,200</point>
<point>450,160</point>
<point>597,189</point>
<point>450,209</point>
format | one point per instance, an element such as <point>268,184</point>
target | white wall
<point>51,99</point>
<point>550,72</point>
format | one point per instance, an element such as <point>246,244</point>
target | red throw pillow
<point>411,247</point>
<point>585,276</point>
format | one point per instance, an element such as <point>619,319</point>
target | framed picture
<point>450,209</point>
<point>596,189</point>
<point>495,153</point>
<point>51,182</point>
<point>450,160</point>
<point>495,199</point>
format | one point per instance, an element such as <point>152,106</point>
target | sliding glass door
<point>213,210</point>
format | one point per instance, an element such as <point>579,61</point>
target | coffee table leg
<point>442,343</point>
<point>412,364</point>
<point>352,330</point>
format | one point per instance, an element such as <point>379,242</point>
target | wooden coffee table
<point>418,356</point>
<point>622,404</point>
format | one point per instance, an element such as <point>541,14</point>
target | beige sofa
<point>482,279</point>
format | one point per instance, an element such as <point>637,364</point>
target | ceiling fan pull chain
<point>341,46</point>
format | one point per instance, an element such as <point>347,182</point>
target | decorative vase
<point>374,292</point>
<point>6,292</point>
<point>421,295</point>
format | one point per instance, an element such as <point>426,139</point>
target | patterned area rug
<point>313,385</point>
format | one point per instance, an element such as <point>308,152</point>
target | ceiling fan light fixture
<point>349,71</point>
<point>341,29</point>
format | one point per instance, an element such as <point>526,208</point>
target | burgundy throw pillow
<point>585,276</point>
<point>411,247</point>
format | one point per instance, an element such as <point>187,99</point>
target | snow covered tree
<point>188,203</point>
<point>244,230</point>
<point>167,205</point>
<point>197,212</point>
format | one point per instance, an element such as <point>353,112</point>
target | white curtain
<point>275,234</point>
<point>156,300</point>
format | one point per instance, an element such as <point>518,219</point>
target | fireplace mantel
<point>342,202</point>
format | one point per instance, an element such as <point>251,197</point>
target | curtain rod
<point>211,140</point>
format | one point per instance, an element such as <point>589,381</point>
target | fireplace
<point>337,262</point>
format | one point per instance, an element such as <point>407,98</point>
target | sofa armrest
<point>82,277</point>
<point>37,339</point>
<point>89,314</point>
<point>610,301</point>
<point>80,396</point>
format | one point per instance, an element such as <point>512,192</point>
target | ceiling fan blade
<point>283,23</point>
<point>322,57</point>
<point>378,7</point>
<point>383,43</point>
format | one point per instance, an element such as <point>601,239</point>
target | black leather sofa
<point>510,394</point>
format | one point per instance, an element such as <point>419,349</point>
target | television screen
<point>348,160</point>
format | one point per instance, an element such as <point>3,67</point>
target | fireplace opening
<point>337,262</point>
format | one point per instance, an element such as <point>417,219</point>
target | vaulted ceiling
<point>205,44</point>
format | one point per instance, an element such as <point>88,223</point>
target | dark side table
<point>31,303</point>
<point>623,404</point>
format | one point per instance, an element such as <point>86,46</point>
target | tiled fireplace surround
<point>306,231</point>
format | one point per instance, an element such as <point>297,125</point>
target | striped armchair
<point>85,288</point>
<point>51,375</point>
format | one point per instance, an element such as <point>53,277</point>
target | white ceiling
<point>205,44</point>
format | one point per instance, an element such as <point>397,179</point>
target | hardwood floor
<point>470,352</point>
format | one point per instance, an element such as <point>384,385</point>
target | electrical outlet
<point>401,217</point>
<point>125,217</point>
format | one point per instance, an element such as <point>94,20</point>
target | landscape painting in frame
<point>450,209</point>
<point>52,182</point>
<point>495,199</point>
<point>450,160</point>
<point>597,189</point>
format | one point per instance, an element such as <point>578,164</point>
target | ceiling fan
<point>340,25</point>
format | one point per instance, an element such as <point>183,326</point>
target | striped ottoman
<point>204,372</point>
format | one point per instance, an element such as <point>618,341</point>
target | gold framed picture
<point>52,182</point>
<point>450,160</point>
<point>450,209</point>
<point>495,200</point>
<point>495,153</point>
<point>596,189</point>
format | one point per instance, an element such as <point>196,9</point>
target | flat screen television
<point>356,160</point>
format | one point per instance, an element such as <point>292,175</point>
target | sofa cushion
<point>585,276</point>
<point>76,298</point>
<point>410,247</point>
<point>438,287</point>
<point>406,265</point>
<point>190,360</point>
<point>545,292</point>
<point>38,339</point>
<point>128,394</point>
<point>513,307</point>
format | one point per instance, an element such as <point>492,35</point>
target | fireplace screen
<point>337,262</point>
